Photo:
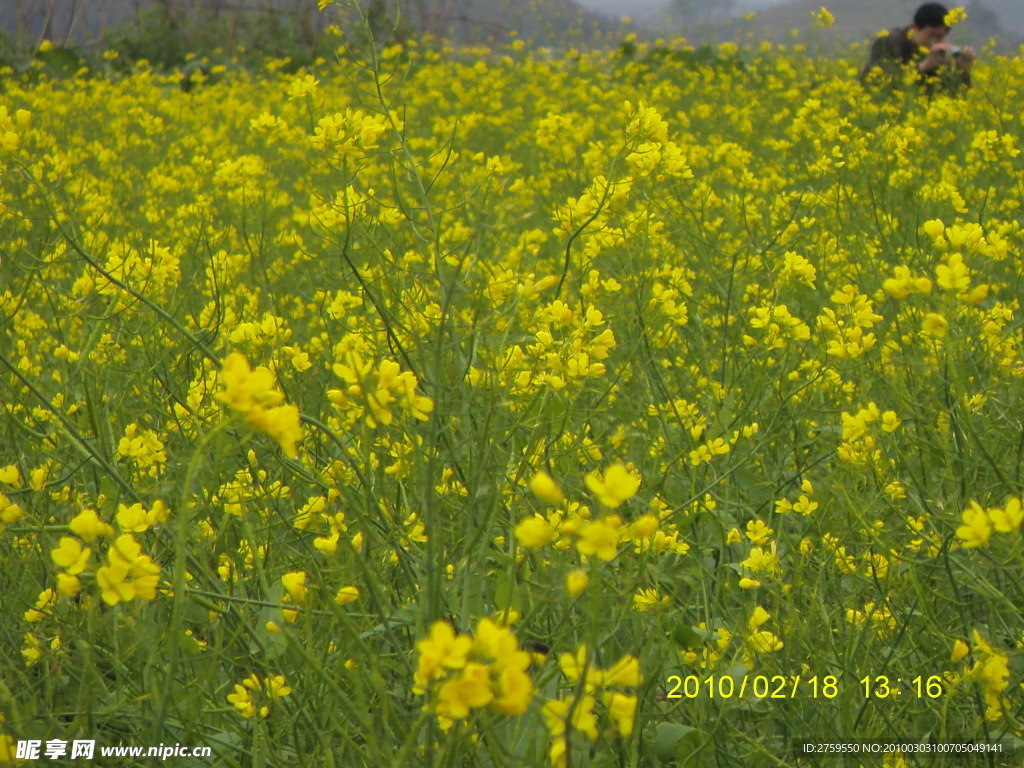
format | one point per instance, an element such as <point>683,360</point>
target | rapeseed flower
<point>615,485</point>
<point>976,528</point>
<point>87,525</point>
<point>1008,518</point>
<point>534,531</point>
<point>545,489</point>
<point>600,538</point>
<point>470,690</point>
<point>254,393</point>
<point>576,581</point>
<point>71,556</point>
<point>129,574</point>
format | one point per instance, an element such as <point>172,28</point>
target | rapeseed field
<point>449,407</point>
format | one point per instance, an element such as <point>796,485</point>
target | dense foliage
<point>483,407</point>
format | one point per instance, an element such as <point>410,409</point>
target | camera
<point>955,51</point>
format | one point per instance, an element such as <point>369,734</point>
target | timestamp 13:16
<point>884,687</point>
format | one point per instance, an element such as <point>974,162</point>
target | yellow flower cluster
<point>145,450</point>
<point>11,128</point>
<point>760,641</point>
<point>461,673</point>
<point>978,523</point>
<point>600,538</point>
<point>579,711</point>
<point>9,512</point>
<point>348,132</point>
<point>990,670</point>
<point>255,394</point>
<point>859,438</point>
<point>129,574</point>
<point>251,696</point>
<point>372,391</point>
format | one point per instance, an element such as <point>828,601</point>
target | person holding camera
<point>922,44</point>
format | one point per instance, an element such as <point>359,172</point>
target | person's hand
<point>966,59</point>
<point>938,55</point>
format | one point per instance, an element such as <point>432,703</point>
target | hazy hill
<point>558,23</point>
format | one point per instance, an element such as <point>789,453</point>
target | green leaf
<point>688,637</point>
<point>678,742</point>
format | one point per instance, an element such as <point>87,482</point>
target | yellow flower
<point>762,559</point>
<point>244,388</point>
<point>764,642</point>
<point>934,325</point>
<point>954,16</point>
<point>470,690</point>
<point>621,709</point>
<point>67,584</point>
<point>934,228</point>
<point>645,526</point>
<point>294,584</point>
<point>275,687</point>
<point>624,672</point>
<point>496,642</point>
<point>600,538</point>
<point>960,650</point>
<point>281,423</point>
<point>302,86</point>
<point>992,672</point>
<point>43,604</point>
<point>7,749</point>
<point>441,649</point>
<point>758,618</point>
<point>556,755</point>
<point>10,475</point>
<point>976,529</point>
<point>546,489</point>
<point>133,519</point>
<point>645,599</point>
<point>890,421</point>
<point>70,555</point>
<point>758,532</point>
<point>576,581</point>
<point>31,652</point>
<point>574,666</point>
<point>953,275</point>
<point>515,690</point>
<point>582,718</point>
<point>129,574</point>
<point>9,512</point>
<point>346,595</point>
<point>241,700</point>
<point>534,531</point>
<point>614,486</point>
<point>822,17</point>
<point>1008,518</point>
